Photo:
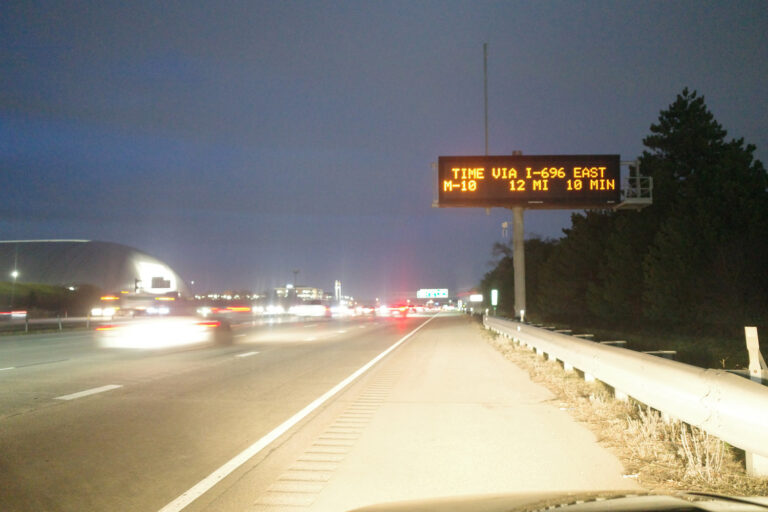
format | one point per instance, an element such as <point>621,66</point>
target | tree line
<point>692,262</point>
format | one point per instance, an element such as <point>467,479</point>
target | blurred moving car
<point>313,308</point>
<point>342,310</point>
<point>366,310</point>
<point>401,310</point>
<point>159,332</point>
<point>233,314</point>
<point>268,310</point>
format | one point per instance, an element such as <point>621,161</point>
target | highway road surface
<point>310,416</point>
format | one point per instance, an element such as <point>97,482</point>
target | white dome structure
<point>109,266</point>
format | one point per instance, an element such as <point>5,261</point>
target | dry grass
<point>661,455</point>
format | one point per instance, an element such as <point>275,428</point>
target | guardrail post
<point>58,317</point>
<point>757,465</point>
<point>26,323</point>
<point>88,320</point>
<point>667,418</point>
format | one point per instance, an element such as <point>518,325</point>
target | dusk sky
<point>238,141</point>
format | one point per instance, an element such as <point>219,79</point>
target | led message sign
<point>530,181</point>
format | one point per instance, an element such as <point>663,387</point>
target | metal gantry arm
<point>638,192</point>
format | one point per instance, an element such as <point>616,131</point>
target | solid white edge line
<point>241,458</point>
<point>9,368</point>
<point>246,354</point>
<point>89,392</point>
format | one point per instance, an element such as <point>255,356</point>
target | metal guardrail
<point>724,405</point>
<point>28,325</point>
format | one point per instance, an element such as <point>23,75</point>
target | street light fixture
<point>14,275</point>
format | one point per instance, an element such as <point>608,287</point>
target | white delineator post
<point>756,361</point>
<point>756,464</point>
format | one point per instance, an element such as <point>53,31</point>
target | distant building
<point>309,293</point>
<point>106,265</point>
<point>304,293</point>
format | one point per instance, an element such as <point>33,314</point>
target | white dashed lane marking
<point>88,392</point>
<point>246,354</point>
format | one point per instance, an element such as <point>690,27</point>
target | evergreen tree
<point>705,264</point>
<point>502,278</point>
<point>538,252</point>
<point>573,268</point>
<point>685,138</point>
<point>694,259</point>
<point>616,298</point>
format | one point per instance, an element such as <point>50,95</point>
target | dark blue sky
<point>240,140</point>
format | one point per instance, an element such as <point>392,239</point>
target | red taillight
<point>212,323</point>
<point>106,328</point>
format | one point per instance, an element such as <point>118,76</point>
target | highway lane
<point>443,415</point>
<point>157,422</point>
<point>36,367</point>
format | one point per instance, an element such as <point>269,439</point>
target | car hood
<point>629,501</point>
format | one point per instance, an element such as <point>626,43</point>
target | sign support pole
<point>518,260</point>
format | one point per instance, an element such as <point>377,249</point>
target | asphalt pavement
<point>243,427</point>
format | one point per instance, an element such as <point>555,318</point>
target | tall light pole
<point>485,92</point>
<point>518,256</point>
<point>518,238</point>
